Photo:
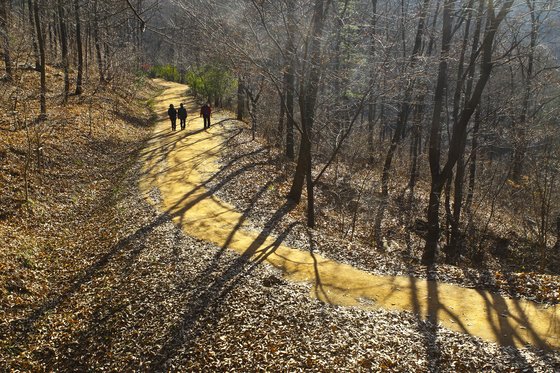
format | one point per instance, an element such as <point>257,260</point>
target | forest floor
<point>116,284</point>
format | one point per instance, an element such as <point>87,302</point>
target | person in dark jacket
<point>206,112</point>
<point>172,116</point>
<point>182,114</point>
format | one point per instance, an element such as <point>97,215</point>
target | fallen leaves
<point>127,291</point>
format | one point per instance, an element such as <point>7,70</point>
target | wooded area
<point>460,98</point>
<point>453,104</point>
<point>430,126</point>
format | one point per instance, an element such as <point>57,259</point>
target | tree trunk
<point>290,87</point>
<point>454,249</point>
<point>301,168</point>
<point>64,45</point>
<point>290,78</point>
<point>40,39</point>
<point>310,196</point>
<point>34,35</point>
<point>476,126</point>
<point>5,39</point>
<point>240,100</point>
<point>97,42</point>
<point>79,78</point>
<point>458,137</point>
<point>520,147</point>
<point>372,105</point>
<point>404,109</point>
<point>435,138</point>
<point>281,115</point>
<point>309,90</point>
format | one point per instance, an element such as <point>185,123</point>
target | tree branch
<point>142,22</point>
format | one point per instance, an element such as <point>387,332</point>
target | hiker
<point>173,116</point>
<point>182,114</point>
<point>205,112</point>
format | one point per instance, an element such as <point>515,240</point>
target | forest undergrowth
<point>59,179</point>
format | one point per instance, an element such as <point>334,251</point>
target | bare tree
<point>64,44</point>
<point>79,47</point>
<point>458,138</point>
<point>4,38</point>
<point>42,59</point>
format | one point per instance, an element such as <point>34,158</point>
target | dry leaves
<point>123,289</point>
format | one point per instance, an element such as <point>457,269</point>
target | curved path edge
<point>177,168</point>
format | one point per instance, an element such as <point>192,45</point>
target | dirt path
<point>178,165</point>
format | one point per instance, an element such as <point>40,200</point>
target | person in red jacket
<point>206,112</point>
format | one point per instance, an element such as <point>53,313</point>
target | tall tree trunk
<point>310,195</point>
<point>520,147</point>
<point>240,100</point>
<point>79,78</point>
<point>468,91</point>
<point>308,99</point>
<point>64,45</point>
<point>453,249</point>
<point>5,39</point>
<point>438,181</point>
<point>290,78</point>
<point>33,35</point>
<point>42,60</point>
<point>373,72</point>
<point>279,137</point>
<point>404,109</point>
<point>458,136</point>
<point>97,42</point>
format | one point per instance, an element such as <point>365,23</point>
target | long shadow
<point>166,151</point>
<point>212,292</point>
<point>504,332</point>
<point>176,211</point>
<point>319,289</point>
<point>434,353</point>
<point>162,159</point>
<point>136,120</point>
<point>53,301</point>
<point>26,325</point>
<point>247,211</point>
<point>222,170</point>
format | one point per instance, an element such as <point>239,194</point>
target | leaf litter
<point>132,292</point>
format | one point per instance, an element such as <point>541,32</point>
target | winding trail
<point>177,167</point>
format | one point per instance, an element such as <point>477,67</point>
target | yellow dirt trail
<point>176,167</point>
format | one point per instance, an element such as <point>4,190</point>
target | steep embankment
<point>71,168</point>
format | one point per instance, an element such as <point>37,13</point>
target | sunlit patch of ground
<point>179,165</point>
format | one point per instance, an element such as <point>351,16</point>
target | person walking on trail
<point>172,116</point>
<point>182,114</point>
<point>206,112</point>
